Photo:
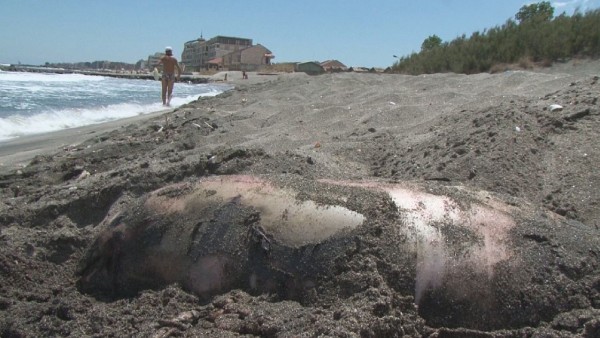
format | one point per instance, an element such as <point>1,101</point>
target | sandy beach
<point>493,148</point>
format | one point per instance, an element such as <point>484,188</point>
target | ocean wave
<point>47,77</point>
<point>33,103</point>
<point>53,120</point>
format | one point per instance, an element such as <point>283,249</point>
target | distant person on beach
<point>168,76</point>
<point>244,75</point>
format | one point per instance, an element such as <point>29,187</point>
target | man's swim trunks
<point>168,76</point>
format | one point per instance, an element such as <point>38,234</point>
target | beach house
<point>333,66</point>
<point>224,52</point>
<point>154,59</point>
<point>248,59</point>
<point>310,68</point>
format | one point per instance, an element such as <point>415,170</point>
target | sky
<point>355,32</point>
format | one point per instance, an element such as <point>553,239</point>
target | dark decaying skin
<point>471,263</point>
<point>211,238</point>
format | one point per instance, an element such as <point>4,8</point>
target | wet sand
<point>20,151</point>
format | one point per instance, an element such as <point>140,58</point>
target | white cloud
<point>571,6</point>
<point>558,4</point>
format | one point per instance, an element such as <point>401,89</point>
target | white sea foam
<point>19,125</point>
<point>53,120</point>
<point>46,77</point>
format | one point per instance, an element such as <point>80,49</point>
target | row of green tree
<point>535,37</point>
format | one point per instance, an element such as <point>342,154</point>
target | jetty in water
<point>142,75</point>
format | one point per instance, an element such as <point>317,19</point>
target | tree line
<point>536,36</point>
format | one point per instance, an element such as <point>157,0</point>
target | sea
<point>34,103</point>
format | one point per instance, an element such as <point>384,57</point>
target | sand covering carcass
<point>456,248</point>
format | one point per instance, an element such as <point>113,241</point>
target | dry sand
<point>494,133</point>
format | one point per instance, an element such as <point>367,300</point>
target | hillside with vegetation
<point>536,36</point>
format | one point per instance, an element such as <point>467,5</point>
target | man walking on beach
<point>168,76</point>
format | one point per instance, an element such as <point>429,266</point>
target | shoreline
<point>233,75</point>
<point>18,152</point>
<point>123,75</point>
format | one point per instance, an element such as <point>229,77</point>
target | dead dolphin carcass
<point>214,235</point>
<point>470,258</point>
<point>486,261</point>
<point>452,231</point>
